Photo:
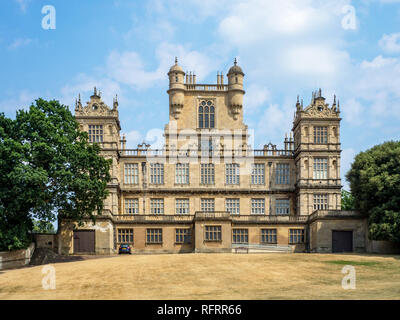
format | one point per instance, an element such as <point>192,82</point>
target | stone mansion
<point>207,190</point>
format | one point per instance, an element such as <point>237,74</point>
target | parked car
<point>124,248</point>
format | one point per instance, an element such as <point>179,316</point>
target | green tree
<point>47,167</point>
<point>347,200</point>
<point>375,184</point>
<point>42,227</point>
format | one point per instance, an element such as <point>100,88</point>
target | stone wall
<point>16,259</point>
<point>383,247</point>
<point>324,222</point>
<point>45,240</point>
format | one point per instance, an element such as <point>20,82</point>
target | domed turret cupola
<point>176,89</point>
<point>235,90</point>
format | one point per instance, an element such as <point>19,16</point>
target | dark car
<point>124,248</point>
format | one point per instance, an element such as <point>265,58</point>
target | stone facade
<point>208,180</point>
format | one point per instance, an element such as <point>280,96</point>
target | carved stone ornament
<point>320,110</point>
<point>236,109</point>
<point>176,110</point>
<point>96,107</point>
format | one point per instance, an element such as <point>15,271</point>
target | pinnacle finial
<point>235,62</point>
<point>79,97</point>
<point>320,93</point>
<point>95,91</point>
<point>176,60</point>
<point>297,98</point>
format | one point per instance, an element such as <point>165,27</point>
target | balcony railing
<point>202,215</point>
<point>212,215</point>
<point>213,153</point>
<point>206,87</point>
<point>269,218</point>
<point>153,218</point>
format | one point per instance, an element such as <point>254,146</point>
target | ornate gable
<point>96,107</point>
<point>317,108</point>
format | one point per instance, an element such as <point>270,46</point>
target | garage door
<point>84,241</point>
<point>342,241</point>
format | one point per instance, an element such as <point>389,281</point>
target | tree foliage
<point>47,167</point>
<point>375,184</point>
<point>347,200</point>
<point>43,227</point>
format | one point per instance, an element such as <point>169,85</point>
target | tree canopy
<point>47,167</point>
<point>347,200</point>
<point>375,184</point>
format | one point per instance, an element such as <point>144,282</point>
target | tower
<point>235,90</point>
<point>103,127</point>
<point>176,90</point>
<point>317,149</point>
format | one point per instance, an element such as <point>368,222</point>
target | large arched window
<point>206,114</point>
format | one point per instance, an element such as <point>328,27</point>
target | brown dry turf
<point>210,276</point>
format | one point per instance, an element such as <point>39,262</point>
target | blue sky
<point>285,48</point>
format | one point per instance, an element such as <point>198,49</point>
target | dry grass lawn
<point>210,276</point>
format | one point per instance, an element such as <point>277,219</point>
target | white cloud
<point>352,111</point>
<point>20,42</point>
<point>272,125</point>
<point>347,158</point>
<point>155,137</point>
<point>133,138</point>
<point>22,100</point>
<point>84,85</point>
<point>129,68</point>
<point>256,96</point>
<point>314,60</point>
<point>390,43</point>
<point>250,22</point>
<point>23,4</point>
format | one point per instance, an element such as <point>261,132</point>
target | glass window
<point>232,206</point>
<point>206,115</point>
<point>232,173</point>
<point>95,133</point>
<point>125,235</point>
<point>183,235</point>
<point>154,236</point>
<point>320,168</point>
<point>240,236</point>
<point>182,173</point>
<point>208,205</point>
<point>131,173</point>
<point>258,173</point>
<point>157,173</point>
<point>320,135</point>
<point>282,206</point>
<point>296,236</point>
<point>268,236</point>
<point>182,206</point>
<point>258,206</point>
<point>131,206</point>
<point>213,233</point>
<point>207,173</point>
<point>157,206</point>
<point>320,201</point>
<point>282,173</point>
